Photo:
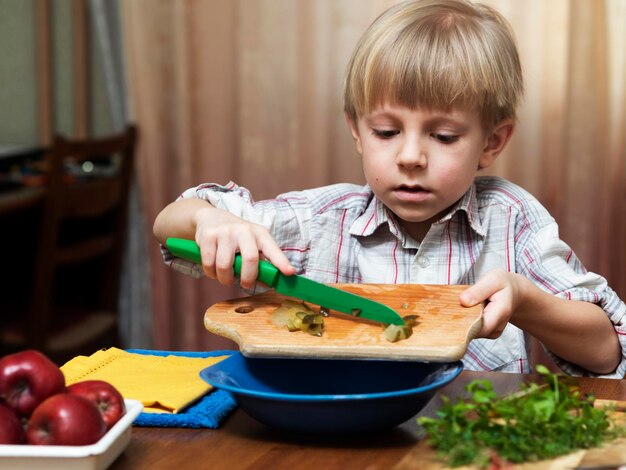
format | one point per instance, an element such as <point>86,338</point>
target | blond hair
<point>440,54</point>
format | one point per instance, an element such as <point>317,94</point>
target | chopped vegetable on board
<point>298,316</point>
<point>395,333</point>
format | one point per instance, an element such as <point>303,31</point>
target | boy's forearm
<point>577,331</point>
<point>178,219</point>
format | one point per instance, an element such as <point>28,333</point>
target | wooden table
<point>243,443</point>
<point>21,198</point>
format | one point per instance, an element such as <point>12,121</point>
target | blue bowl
<point>330,396</point>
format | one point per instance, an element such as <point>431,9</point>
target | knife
<point>299,287</point>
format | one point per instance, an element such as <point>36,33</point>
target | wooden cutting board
<point>443,331</point>
<point>610,455</point>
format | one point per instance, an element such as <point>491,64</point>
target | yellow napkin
<point>163,384</point>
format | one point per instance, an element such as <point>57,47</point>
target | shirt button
<point>423,261</point>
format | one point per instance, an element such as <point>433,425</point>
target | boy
<point>430,97</point>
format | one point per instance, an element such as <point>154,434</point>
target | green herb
<point>539,422</point>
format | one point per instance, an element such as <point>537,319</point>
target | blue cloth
<point>208,412</point>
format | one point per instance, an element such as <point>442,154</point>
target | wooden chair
<point>73,306</point>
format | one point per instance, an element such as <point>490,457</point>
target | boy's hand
<point>220,235</point>
<point>502,292</point>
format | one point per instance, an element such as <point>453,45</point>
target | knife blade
<point>299,287</point>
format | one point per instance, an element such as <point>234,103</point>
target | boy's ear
<point>355,133</point>
<point>496,142</point>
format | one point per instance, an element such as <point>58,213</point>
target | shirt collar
<point>374,216</point>
<point>469,204</point>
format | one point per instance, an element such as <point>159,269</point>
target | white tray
<point>96,456</point>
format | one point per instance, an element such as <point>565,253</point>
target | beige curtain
<point>250,91</point>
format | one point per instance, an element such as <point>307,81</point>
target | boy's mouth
<point>411,188</point>
<point>411,192</point>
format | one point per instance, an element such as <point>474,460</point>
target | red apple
<point>109,400</point>
<point>27,378</point>
<point>66,419</point>
<point>11,429</point>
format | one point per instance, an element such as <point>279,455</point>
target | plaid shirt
<point>343,234</point>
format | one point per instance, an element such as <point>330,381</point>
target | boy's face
<point>421,162</point>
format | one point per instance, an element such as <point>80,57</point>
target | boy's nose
<point>412,155</point>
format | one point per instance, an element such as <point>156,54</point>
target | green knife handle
<point>268,273</point>
<point>189,250</point>
<point>185,249</point>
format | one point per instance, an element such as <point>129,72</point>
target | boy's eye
<point>385,134</point>
<point>446,138</point>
